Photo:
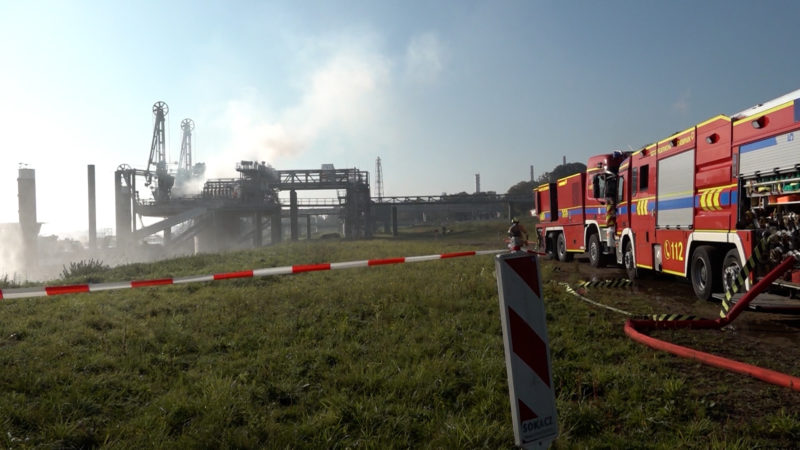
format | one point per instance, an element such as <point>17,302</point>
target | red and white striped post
<point>530,388</point>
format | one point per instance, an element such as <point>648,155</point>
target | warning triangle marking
<point>526,269</point>
<point>528,345</point>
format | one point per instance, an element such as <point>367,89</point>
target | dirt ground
<point>766,339</point>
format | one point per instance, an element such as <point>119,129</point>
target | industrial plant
<point>186,213</point>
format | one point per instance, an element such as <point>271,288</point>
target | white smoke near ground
<point>11,253</point>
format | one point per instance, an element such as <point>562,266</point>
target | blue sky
<point>439,90</point>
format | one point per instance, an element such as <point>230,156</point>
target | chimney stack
<point>29,226</point>
<point>92,209</point>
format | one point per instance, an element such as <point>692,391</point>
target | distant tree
<point>522,194</point>
<point>522,188</point>
<point>561,171</point>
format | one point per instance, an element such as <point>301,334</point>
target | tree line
<point>561,171</point>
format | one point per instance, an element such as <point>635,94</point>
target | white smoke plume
<point>425,58</point>
<point>341,96</point>
<point>11,252</point>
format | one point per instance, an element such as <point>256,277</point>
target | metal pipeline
<point>634,328</point>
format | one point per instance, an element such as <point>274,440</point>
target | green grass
<point>395,356</point>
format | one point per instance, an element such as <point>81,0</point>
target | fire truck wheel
<point>730,270</point>
<point>550,247</point>
<point>596,257</point>
<point>629,261</point>
<point>561,249</point>
<point>702,272</point>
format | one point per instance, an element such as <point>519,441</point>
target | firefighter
<point>516,232</point>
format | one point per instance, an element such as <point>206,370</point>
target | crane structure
<point>222,213</point>
<point>185,161</point>
<point>188,176</point>
<point>158,157</point>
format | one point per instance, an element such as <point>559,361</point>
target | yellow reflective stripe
<point>674,194</point>
<point>764,113</point>
<point>717,117</point>
<point>675,135</point>
<point>715,199</point>
<point>641,206</point>
<point>563,181</point>
<point>710,197</point>
<point>672,272</point>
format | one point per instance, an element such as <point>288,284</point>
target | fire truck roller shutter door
<point>675,197</point>
<point>777,152</point>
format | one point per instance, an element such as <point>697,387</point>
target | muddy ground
<point>766,339</point>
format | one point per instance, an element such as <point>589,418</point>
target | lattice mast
<point>185,160</point>
<point>158,156</point>
<point>158,147</point>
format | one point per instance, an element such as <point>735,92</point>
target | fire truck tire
<point>561,249</point>
<point>550,247</point>
<point>731,266</point>
<point>596,257</point>
<point>702,273</point>
<point>629,261</point>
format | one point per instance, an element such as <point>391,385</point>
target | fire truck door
<point>643,209</point>
<point>623,209</point>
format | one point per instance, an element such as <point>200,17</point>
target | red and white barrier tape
<point>42,291</point>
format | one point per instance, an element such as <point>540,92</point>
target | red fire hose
<point>634,328</point>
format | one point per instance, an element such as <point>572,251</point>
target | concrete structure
<point>232,210</point>
<point>29,226</point>
<point>92,209</point>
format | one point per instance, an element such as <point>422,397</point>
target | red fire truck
<point>696,204</point>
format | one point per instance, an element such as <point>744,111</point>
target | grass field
<point>385,357</point>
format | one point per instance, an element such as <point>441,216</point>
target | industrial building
<point>227,211</point>
<point>186,213</point>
